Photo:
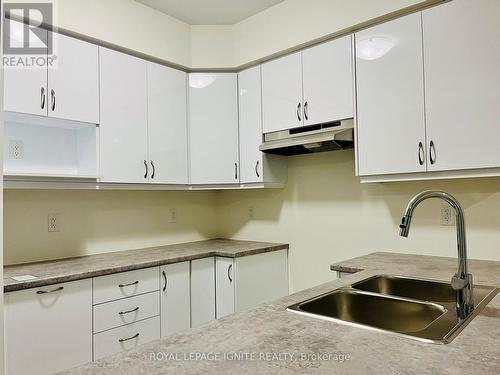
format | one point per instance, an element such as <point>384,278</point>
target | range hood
<point>332,136</point>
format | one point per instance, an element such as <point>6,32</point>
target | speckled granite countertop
<point>70,269</point>
<point>269,335</point>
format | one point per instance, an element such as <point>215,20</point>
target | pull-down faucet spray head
<point>462,280</point>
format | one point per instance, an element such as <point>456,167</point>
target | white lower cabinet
<point>202,291</point>
<point>246,282</point>
<point>48,329</point>
<point>175,301</point>
<point>125,311</point>
<point>126,337</point>
<point>224,286</point>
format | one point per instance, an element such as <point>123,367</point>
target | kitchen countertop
<point>270,329</point>
<point>70,269</point>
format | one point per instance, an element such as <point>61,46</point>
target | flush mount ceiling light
<point>201,80</point>
<point>374,47</point>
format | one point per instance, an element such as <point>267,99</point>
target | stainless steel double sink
<point>421,309</point>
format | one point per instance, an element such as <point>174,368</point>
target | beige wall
<point>101,221</point>
<point>125,23</point>
<point>327,215</point>
<point>294,22</point>
<point>135,26</point>
<point>212,46</point>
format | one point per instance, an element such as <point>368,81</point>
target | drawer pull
<point>49,291</point>
<point>128,311</point>
<point>129,338</point>
<point>129,284</point>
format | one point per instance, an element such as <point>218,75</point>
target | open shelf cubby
<point>38,146</point>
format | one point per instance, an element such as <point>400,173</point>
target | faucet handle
<point>459,283</point>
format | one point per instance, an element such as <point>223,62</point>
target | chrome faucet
<point>462,280</point>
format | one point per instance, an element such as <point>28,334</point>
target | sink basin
<point>374,310</point>
<point>420,309</point>
<point>421,289</point>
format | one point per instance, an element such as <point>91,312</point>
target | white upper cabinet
<point>25,89</point>
<point>390,98</point>
<point>462,77</point>
<point>250,123</point>
<point>167,125</point>
<point>282,93</point>
<point>255,166</point>
<point>73,82</point>
<point>328,82</point>
<point>123,130</point>
<point>213,128</point>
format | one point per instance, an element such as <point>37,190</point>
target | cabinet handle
<point>298,111</point>
<point>235,171</point>
<point>128,311</point>
<point>129,284</point>
<point>53,99</point>
<point>432,152</point>
<point>257,168</point>
<point>146,167</point>
<point>42,97</point>
<point>129,338</point>
<point>49,291</point>
<point>165,279</point>
<point>153,166</point>
<point>229,273</point>
<point>306,110</point>
<point>421,155</point>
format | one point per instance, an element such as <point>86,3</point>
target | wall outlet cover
<point>16,149</point>
<point>173,215</point>
<point>447,218</point>
<point>54,223</point>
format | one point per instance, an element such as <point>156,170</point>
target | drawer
<point>126,337</point>
<point>125,311</point>
<point>125,284</point>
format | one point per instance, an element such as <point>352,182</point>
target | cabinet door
<point>390,97</point>
<point>123,130</point>
<point>25,88</point>
<point>462,78</point>
<point>282,93</point>
<point>167,125</point>
<point>266,273</point>
<point>48,332</point>
<point>213,128</point>
<point>328,82</point>
<point>74,80</point>
<point>202,291</point>
<point>175,300</point>
<point>224,286</point>
<point>250,123</point>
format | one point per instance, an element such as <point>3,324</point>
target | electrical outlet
<point>251,212</point>
<point>173,215</point>
<point>16,149</point>
<point>446,216</point>
<point>54,222</point>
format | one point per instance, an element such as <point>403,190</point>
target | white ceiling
<point>210,12</point>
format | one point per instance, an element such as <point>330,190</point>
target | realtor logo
<point>23,33</point>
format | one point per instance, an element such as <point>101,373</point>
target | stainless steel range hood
<point>307,139</point>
